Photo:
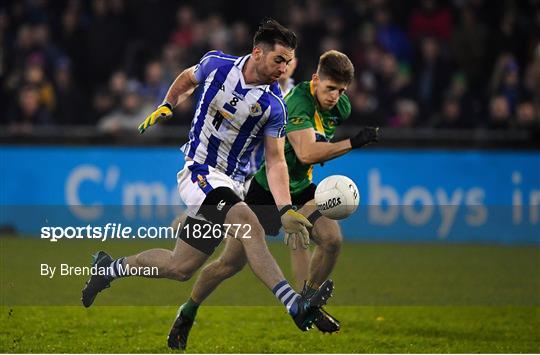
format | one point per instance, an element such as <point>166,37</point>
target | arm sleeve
<point>275,127</point>
<point>208,63</point>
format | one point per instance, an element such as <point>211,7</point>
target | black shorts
<point>263,204</point>
<point>215,207</point>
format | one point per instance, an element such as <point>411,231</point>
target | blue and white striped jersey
<point>257,156</point>
<point>232,117</point>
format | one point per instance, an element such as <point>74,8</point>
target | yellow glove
<point>163,112</point>
<point>295,227</point>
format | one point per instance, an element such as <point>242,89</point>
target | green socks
<point>189,309</point>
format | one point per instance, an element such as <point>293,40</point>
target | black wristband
<point>168,105</point>
<point>284,209</point>
<point>357,142</point>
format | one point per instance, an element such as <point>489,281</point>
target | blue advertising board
<point>406,195</point>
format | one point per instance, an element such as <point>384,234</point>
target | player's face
<point>290,70</point>
<point>327,91</point>
<point>272,62</point>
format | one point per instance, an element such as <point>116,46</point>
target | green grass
<point>266,329</point>
<point>390,298</point>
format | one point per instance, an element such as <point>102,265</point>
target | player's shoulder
<point>343,106</point>
<point>299,98</point>
<point>211,61</point>
<point>216,55</point>
<point>299,91</point>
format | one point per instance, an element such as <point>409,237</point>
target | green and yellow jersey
<point>304,113</point>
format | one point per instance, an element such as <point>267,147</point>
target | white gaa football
<point>337,197</point>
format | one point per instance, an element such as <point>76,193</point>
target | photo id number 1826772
<point>208,231</point>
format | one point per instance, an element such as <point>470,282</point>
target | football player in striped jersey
<point>241,105</point>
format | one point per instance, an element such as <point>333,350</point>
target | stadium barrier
<point>479,138</point>
<point>448,196</point>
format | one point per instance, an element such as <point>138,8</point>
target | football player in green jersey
<point>315,109</point>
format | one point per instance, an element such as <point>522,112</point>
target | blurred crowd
<point>426,63</point>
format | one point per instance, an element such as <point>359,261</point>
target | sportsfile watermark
<point>119,231</point>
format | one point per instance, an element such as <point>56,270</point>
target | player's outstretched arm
<point>309,151</point>
<point>277,172</point>
<point>294,224</point>
<point>180,89</point>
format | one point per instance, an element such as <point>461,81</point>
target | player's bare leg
<point>300,259</point>
<point>326,233</point>
<point>327,236</point>
<point>178,264</point>
<point>231,261</point>
<point>304,309</point>
<point>260,259</point>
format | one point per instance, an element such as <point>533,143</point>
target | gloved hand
<point>295,227</point>
<point>163,112</point>
<point>366,136</point>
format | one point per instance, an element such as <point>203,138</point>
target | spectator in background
<point>128,116</point>
<point>391,37</point>
<point>184,36</point>
<point>365,48</point>
<point>330,42</point>
<point>470,106</point>
<point>154,87</point>
<point>432,75</point>
<point>69,98</point>
<point>391,83</point>
<point>450,116</point>
<point>23,48</point>
<point>35,76</point>
<point>44,49</point>
<point>105,41</point>
<point>101,36</point>
<point>508,38</point>
<point>240,38</point>
<point>36,11</point>
<point>366,108</point>
<point>406,114</point>
<point>430,20</point>
<point>103,104</point>
<point>505,79</point>
<point>72,39</point>
<point>469,47</point>
<point>531,79</point>
<point>29,111</point>
<point>527,116</point>
<point>217,33</point>
<point>117,86</point>
<point>171,59</point>
<point>499,113</point>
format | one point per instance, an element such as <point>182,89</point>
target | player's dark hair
<point>271,32</point>
<point>335,66</point>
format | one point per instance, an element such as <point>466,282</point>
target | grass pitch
<point>389,298</point>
